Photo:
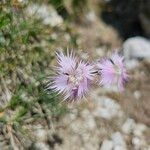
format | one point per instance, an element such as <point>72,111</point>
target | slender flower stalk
<point>112,71</point>
<point>73,77</point>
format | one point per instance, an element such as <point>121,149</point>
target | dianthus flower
<point>73,77</point>
<point>112,71</point>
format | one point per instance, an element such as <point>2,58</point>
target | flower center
<point>75,80</point>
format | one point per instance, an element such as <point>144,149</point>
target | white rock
<point>41,134</point>
<point>48,15</point>
<point>107,108</point>
<point>72,116</point>
<point>88,146</point>
<point>128,126</point>
<point>41,146</point>
<point>137,95</point>
<point>100,51</point>
<point>118,139</point>
<point>136,141</point>
<point>131,64</point>
<point>90,123</point>
<point>107,145</point>
<point>139,129</point>
<point>85,113</point>
<point>91,16</point>
<point>67,37</point>
<point>148,148</point>
<point>136,47</point>
<point>139,143</point>
<point>54,36</point>
<point>77,126</point>
<point>119,147</point>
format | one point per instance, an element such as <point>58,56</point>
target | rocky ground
<point>106,119</point>
<point>109,120</point>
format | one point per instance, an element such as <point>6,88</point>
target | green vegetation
<point>26,53</point>
<point>27,50</point>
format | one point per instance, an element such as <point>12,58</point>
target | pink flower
<point>73,77</point>
<point>113,71</point>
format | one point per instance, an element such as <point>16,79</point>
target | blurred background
<point>30,33</point>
